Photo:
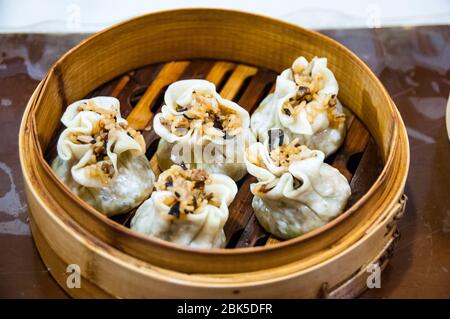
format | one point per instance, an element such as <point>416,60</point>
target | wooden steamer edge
<point>108,273</point>
<point>166,254</point>
<point>102,264</point>
<point>247,284</point>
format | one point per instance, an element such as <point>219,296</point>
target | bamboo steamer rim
<point>261,278</point>
<point>197,283</point>
<point>237,251</point>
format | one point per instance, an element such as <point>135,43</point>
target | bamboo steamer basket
<point>117,262</point>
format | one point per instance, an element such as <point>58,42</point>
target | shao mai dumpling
<point>296,191</point>
<point>305,106</point>
<point>188,207</point>
<point>101,158</point>
<point>200,128</point>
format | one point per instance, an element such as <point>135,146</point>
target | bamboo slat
<point>241,55</point>
<point>247,86</point>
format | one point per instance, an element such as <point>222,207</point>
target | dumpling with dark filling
<point>101,158</point>
<point>296,191</point>
<point>188,207</point>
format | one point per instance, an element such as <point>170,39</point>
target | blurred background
<point>92,15</point>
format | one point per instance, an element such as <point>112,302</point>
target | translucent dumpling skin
<point>305,106</point>
<point>101,159</point>
<point>203,130</point>
<point>132,185</point>
<point>189,207</point>
<point>296,191</point>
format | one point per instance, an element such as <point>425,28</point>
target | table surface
<point>413,64</point>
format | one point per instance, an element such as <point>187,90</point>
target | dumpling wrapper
<point>131,186</point>
<point>133,178</point>
<point>202,229</point>
<point>301,197</point>
<point>316,134</point>
<point>225,155</point>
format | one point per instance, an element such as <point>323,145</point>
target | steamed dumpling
<point>296,191</point>
<point>203,130</point>
<point>189,207</point>
<point>305,106</point>
<point>101,158</point>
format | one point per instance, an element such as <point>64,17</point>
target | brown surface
<point>412,63</point>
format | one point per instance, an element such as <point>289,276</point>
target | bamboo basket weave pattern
<point>136,61</point>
